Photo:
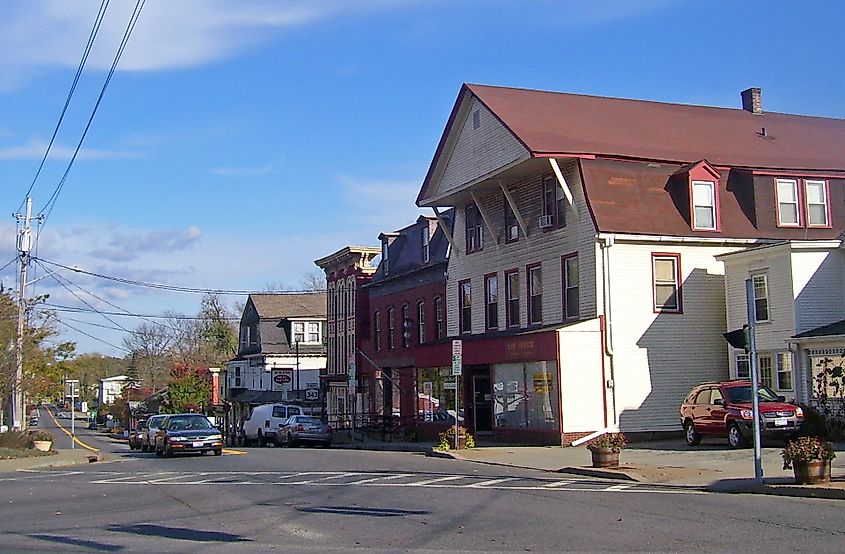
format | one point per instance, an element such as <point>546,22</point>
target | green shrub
<point>815,423</point>
<point>15,440</point>
<point>40,435</point>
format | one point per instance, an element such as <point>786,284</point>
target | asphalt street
<point>306,499</point>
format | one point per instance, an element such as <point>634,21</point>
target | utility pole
<point>24,245</point>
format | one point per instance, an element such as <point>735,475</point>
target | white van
<point>265,420</point>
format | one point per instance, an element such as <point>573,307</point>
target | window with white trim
<point>571,302</point>
<point>743,368</point>
<point>765,364</point>
<point>298,331</point>
<point>314,334</point>
<point>784,368</point>
<point>512,285</point>
<point>438,317</point>
<point>421,322</point>
<point>704,205</point>
<point>491,301</point>
<point>474,229</point>
<point>535,294</point>
<point>391,330</point>
<point>511,223</point>
<point>465,306</point>
<point>787,199</point>
<point>761,297</point>
<point>667,292</point>
<point>406,326</point>
<point>377,330</point>
<point>817,203</point>
<point>426,240</point>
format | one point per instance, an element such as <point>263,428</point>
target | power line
<point>180,317</point>
<point>51,203</point>
<point>176,288</point>
<point>71,327</point>
<point>10,262</point>
<point>94,31</point>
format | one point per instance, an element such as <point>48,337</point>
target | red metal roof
<point>559,123</point>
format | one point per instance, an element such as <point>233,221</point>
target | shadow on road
<point>363,511</point>
<point>178,533</point>
<point>79,542</point>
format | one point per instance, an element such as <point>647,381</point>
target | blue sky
<point>239,141</point>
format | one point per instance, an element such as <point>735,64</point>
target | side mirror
<point>719,402</point>
<point>781,399</point>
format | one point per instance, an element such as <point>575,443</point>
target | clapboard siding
<point>478,152</point>
<point>544,247</point>
<point>817,288</point>
<point>659,357</point>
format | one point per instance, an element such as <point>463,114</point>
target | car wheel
<point>327,444</point>
<point>289,442</point>
<point>261,441</point>
<point>168,452</point>
<point>735,438</point>
<point>145,448</point>
<point>159,453</point>
<point>218,452</point>
<point>692,436</point>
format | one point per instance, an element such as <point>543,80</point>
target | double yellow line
<point>66,432</point>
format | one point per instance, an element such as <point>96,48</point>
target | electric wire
<point>175,288</point>
<point>10,262</point>
<point>51,202</point>
<point>178,317</point>
<point>81,332</point>
<point>91,37</point>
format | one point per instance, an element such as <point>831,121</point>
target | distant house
<point>281,351</point>
<point>585,277</point>
<point>111,388</point>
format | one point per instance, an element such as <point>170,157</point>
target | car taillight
<point>299,428</point>
<point>746,414</point>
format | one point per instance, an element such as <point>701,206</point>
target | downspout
<point>606,242</point>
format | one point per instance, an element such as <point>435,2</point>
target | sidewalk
<point>61,458</point>
<point>712,466</point>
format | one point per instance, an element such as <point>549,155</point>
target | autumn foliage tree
<point>188,390</point>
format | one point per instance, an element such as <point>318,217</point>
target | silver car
<point>301,429</point>
<point>148,441</point>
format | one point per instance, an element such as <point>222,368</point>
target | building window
<point>465,306</point>
<point>421,322</point>
<point>474,230</point>
<point>761,297</point>
<point>406,326</point>
<point>667,279</point>
<point>743,369</point>
<point>571,300</point>
<point>426,239</point>
<point>377,330</point>
<point>298,332</point>
<point>784,361</point>
<point>704,205</point>
<point>765,362</point>
<point>787,198</point>
<point>385,260</point>
<point>238,381</point>
<point>511,224</point>
<point>491,301</point>
<point>535,294</point>
<point>554,202</point>
<point>438,317</point>
<point>391,337</point>
<point>314,335</point>
<point>512,292</point>
<point>817,204</point>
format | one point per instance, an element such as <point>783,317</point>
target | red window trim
<point>717,216</point>
<point>508,298</point>
<point>556,216</point>
<point>461,284</point>
<point>799,199</point>
<point>528,269</point>
<point>678,283</point>
<point>505,215</point>
<point>826,182</point>
<point>563,260</point>
<point>494,327</point>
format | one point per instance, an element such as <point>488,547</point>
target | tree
<point>151,344</point>
<point>189,389</point>
<point>218,329</point>
<point>313,281</point>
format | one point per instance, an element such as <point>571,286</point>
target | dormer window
<point>704,205</point>
<point>385,263</point>
<point>817,203</point>
<point>787,198</point>
<point>426,239</point>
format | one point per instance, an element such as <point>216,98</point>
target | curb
<point>795,491</point>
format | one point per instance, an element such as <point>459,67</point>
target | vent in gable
<point>476,119</point>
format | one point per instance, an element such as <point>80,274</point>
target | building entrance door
<point>482,404</point>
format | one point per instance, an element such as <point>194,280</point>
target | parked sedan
<point>184,433</point>
<point>300,429</point>
<point>136,436</point>
<point>725,409</point>
<point>148,441</point>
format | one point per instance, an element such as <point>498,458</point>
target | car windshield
<point>188,423</point>
<point>309,420</point>
<point>155,422</point>
<point>741,395</point>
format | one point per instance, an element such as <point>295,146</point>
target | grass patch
<point>14,453</point>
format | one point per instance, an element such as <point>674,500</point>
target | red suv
<point>726,409</point>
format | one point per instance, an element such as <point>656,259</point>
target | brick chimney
<point>752,100</point>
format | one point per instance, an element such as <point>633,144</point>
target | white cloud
<point>387,203</point>
<point>34,149</point>
<point>258,171</point>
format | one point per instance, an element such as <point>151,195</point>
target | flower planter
<point>605,457</point>
<point>43,446</point>
<point>811,473</point>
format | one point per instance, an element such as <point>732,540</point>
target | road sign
<point>282,378</point>
<point>457,357</point>
<point>312,394</point>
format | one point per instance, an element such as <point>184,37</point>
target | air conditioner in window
<point>545,221</point>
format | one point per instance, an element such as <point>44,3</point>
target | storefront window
<point>526,395</point>
<point>436,394</point>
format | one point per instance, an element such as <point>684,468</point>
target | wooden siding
<point>545,247</point>
<point>659,357</point>
<point>478,152</point>
<point>581,379</point>
<point>817,278</point>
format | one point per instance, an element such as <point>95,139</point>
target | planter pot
<point>43,446</point>
<point>461,442</point>
<point>811,473</point>
<point>605,457</point>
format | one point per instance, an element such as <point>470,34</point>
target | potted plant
<point>809,458</point>
<point>605,449</point>
<point>448,439</point>
<point>42,440</point>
